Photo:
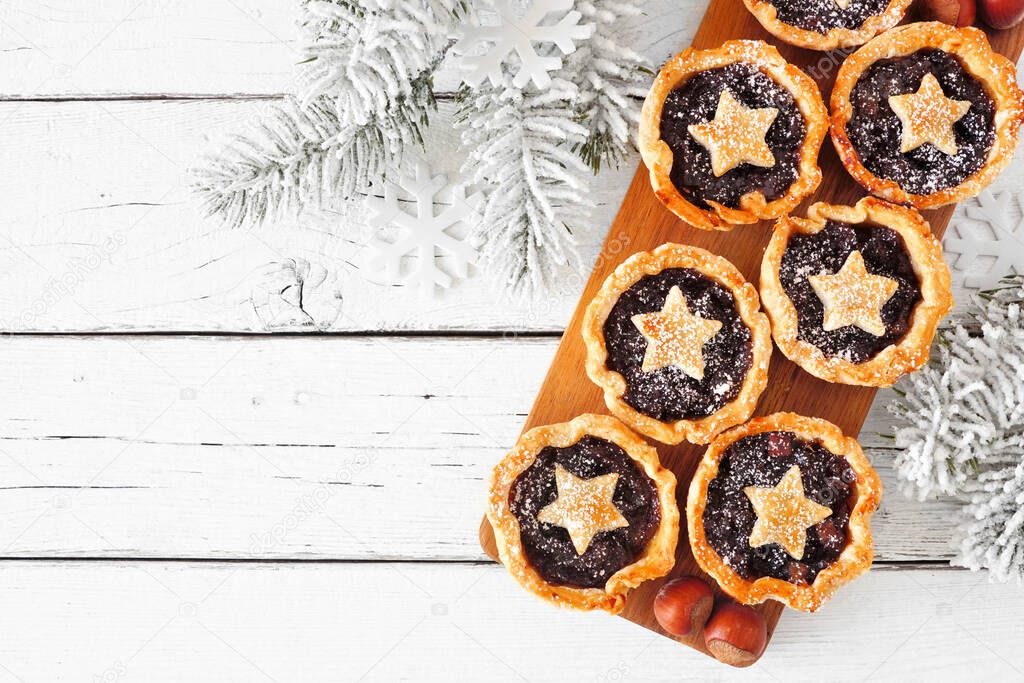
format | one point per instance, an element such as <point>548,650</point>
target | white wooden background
<point>184,497</point>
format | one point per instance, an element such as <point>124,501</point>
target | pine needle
<point>365,98</point>
<point>521,148</point>
<point>961,431</point>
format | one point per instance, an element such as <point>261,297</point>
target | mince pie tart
<point>676,339</point>
<point>827,24</point>
<point>731,135</point>
<point>926,114</point>
<point>855,293</point>
<point>583,511</point>
<point>780,508</point>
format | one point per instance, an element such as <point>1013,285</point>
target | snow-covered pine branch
<point>365,98</point>
<point>611,80</point>
<point>954,412</point>
<point>520,148</point>
<point>278,162</point>
<point>990,535</point>
<point>962,432</point>
<point>366,57</point>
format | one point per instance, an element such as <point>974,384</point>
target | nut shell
<point>683,606</point>
<point>1002,14</point>
<point>952,12</point>
<point>736,634</point>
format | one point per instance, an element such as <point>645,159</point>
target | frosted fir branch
<point>295,156</point>
<point>365,99</point>
<point>365,57</point>
<point>520,149</point>
<point>957,416</point>
<point>373,61</point>
<point>318,18</point>
<point>962,431</point>
<point>935,455</point>
<point>611,82</point>
<point>991,534</point>
<point>371,150</point>
<point>280,161</point>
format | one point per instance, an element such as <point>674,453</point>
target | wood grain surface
<point>256,500</point>
<point>642,224</point>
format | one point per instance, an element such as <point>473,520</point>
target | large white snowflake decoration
<point>989,242</point>
<point>423,234</point>
<point>486,49</point>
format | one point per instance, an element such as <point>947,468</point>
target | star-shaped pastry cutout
<point>853,296</point>
<point>736,135</point>
<point>784,514</point>
<point>842,4</point>
<point>675,336</point>
<point>583,507</point>
<point>928,116</point>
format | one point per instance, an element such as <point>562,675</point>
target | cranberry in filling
<point>825,252</point>
<point>549,548</point>
<point>821,16</point>
<point>762,460</point>
<point>875,131</point>
<point>695,102</point>
<point>669,394</point>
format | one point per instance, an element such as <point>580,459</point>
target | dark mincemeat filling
<point>825,252</point>
<point>875,131</point>
<point>549,549</point>
<point>669,394</point>
<point>821,16</point>
<point>695,102</point>
<point>762,460</point>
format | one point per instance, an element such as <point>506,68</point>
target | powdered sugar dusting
<point>675,336</point>
<point>876,131</point>
<point>668,393</point>
<point>821,16</point>
<point>807,256</point>
<point>583,507</point>
<point>762,461</point>
<point>853,296</point>
<point>548,545</point>
<point>694,104</point>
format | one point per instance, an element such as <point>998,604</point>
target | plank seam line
<point>510,335</point>
<point>145,97</point>
<point>888,565</point>
<point>446,96</point>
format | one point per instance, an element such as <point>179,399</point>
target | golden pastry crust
<point>853,561</point>
<point>753,206</point>
<point>994,71</point>
<point>657,560</point>
<point>720,270</point>
<point>765,12</point>
<point>894,361</point>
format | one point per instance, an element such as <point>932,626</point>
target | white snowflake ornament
<point>486,49</point>
<point>989,242</point>
<point>424,233</point>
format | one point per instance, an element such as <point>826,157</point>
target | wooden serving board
<point>644,223</point>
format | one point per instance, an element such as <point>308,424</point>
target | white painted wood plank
<point>347,448</point>
<point>190,47</point>
<point>113,47</point>
<point>386,622</point>
<point>101,235</point>
<point>104,236</point>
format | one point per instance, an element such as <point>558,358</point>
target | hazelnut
<point>683,605</point>
<point>1002,13</point>
<point>736,634</point>
<point>952,12</point>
